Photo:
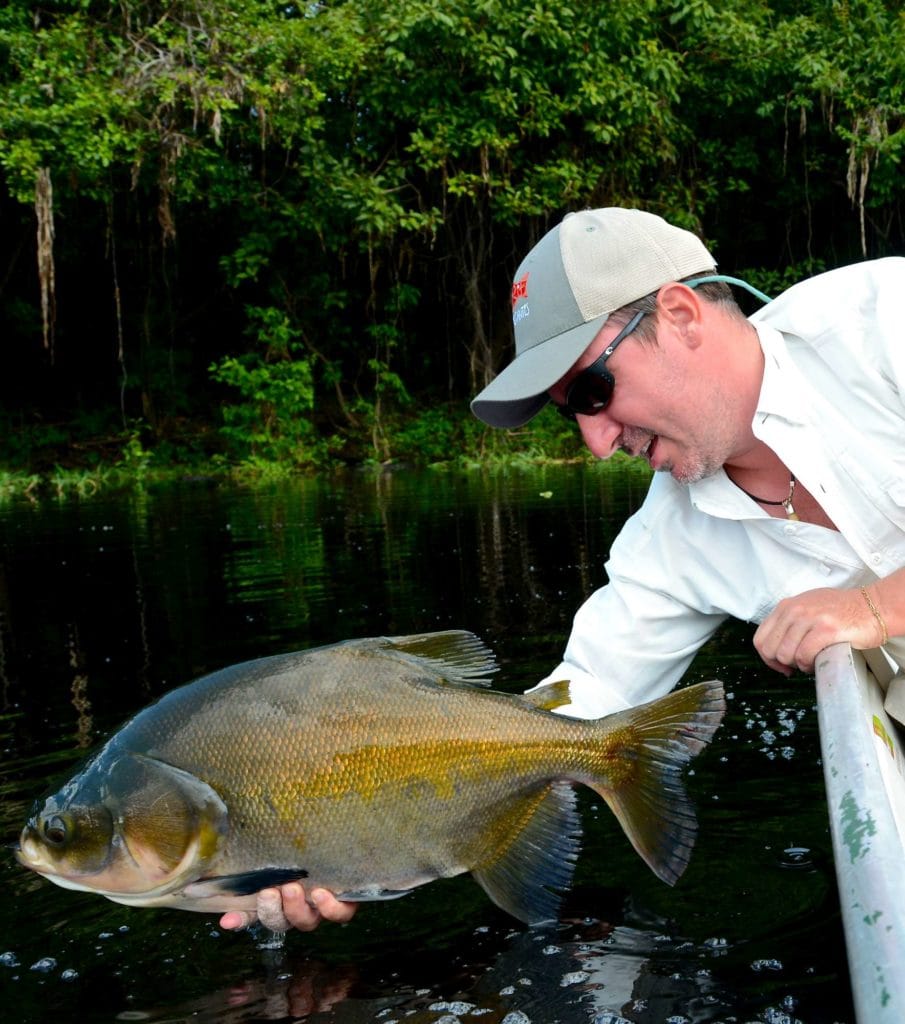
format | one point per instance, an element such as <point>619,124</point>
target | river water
<point>106,603</point>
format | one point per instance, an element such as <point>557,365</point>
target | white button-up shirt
<point>832,407</point>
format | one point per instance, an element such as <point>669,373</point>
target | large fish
<point>367,767</point>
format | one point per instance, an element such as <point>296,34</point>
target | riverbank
<point>35,467</point>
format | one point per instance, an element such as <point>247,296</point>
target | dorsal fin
<point>458,655</point>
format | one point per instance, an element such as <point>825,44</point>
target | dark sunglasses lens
<point>590,393</point>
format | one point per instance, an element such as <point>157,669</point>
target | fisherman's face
<point>665,406</point>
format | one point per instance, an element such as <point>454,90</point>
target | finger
<point>778,666</point>
<point>270,910</point>
<point>234,919</point>
<point>779,637</point>
<point>298,912</point>
<point>332,909</point>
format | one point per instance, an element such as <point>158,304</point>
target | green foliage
<point>272,421</point>
<point>135,460</point>
<point>315,210</point>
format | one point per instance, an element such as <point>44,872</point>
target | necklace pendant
<point>790,512</point>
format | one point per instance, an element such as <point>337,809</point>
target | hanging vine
<point>46,273</point>
<point>869,132</point>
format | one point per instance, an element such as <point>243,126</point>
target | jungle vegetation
<point>275,234</point>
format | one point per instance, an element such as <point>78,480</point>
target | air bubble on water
<point>69,975</point>
<point>508,990</point>
<point>774,1016</point>
<point>105,935</point>
<point>573,978</point>
<point>766,965</point>
<point>459,1008</point>
<point>796,857</point>
<point>527,982</point>
<point>448,1018</point>
<point>9,959</point>
<point>44,965</point>
<point>608,1017</point>
<point>551,950</point>
<point>677,1020</point>
<point>516,1017</point>
<point>716,942</point>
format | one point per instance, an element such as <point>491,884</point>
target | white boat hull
<point>864,768</point>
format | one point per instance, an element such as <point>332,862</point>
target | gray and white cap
<point>591,264</point>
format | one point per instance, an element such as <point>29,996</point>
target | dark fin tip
<point>254,881</point>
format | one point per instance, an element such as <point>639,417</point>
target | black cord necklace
<point>785,502</point>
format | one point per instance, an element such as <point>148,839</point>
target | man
<point>778,441</point>
<point>778,444</point>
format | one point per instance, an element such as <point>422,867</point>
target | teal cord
<point>729,280</point>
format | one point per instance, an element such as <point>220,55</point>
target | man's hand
<point>799,628</point>
<point>288,907</point>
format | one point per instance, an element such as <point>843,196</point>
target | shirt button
<point>876,558</point>
<point>789,529</point>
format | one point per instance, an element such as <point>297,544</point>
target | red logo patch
<point>520,290</point>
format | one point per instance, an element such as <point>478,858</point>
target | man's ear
<point>681,309</point>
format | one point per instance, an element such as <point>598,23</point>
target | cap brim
<point>519,392</point>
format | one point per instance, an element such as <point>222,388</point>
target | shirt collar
<point>780,390</point>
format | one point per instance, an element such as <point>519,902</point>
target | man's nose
<point>601,433</point>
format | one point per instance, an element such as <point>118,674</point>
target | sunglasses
<point>592,390</point>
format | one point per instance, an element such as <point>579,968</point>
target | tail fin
<point>644,789</point>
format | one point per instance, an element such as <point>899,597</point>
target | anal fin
<point>536,857</point>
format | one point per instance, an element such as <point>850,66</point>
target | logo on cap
<point>519,290</point>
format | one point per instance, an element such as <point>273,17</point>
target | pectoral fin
<point>245,884</point>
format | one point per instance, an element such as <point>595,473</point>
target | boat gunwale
<point>868,847</point>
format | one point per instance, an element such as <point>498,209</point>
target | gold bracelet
<point>876,614</point>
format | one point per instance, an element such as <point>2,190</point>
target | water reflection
<point>106,604</point>
<point>590,970</point>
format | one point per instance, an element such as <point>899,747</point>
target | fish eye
<point>55,830</point>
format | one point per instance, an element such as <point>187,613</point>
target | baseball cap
<point>592,263</point>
